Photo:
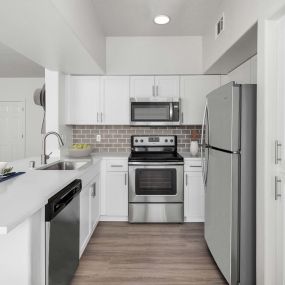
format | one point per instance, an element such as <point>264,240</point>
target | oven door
<point>152,183</point>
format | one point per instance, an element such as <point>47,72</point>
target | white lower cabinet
<point>114,199</point>
<point>194,196</point>
<point>117,194</point>
<point>89,210</point>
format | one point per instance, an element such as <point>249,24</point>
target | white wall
<point>22,89</point>
<point>80,16</point>
<point>240,16</point>
<point>38,30</point>
<point>244,74</point>
<point>154,55</point>
<point>55,112</point>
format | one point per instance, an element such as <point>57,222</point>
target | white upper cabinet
<point>194,90</point>
<point>154,86</point>
<point>167,86</point>
<point>97,100</point>
<point>116,100</point>
<point>142,86</point>
<point>83,99</point>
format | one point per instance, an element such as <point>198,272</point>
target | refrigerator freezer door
<point>224,117</point>
<point>221,212</point>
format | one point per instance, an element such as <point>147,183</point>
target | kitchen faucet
<point>45,156</point>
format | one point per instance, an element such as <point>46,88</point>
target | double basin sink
<point>64,165</point>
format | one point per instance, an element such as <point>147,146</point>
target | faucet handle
<point>48,155</point>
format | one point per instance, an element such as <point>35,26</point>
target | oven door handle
<point>156,163</point>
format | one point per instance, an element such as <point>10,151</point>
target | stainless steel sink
<point>64,165</point>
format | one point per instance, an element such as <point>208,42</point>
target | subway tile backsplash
<point>117,138</point>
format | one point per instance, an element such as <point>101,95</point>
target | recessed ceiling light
<point>161,19</point>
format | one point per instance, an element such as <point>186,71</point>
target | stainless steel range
<point>155,180</point>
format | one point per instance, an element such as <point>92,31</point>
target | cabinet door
<point>116,100</point>
<point>94,193</point>
<point>84,218</point>
<point>117,194</point>
<point>167,86</point>
<point>280,227</point>
<point>83,95</point>
<point>142,86</point>
<point>194,197</point>
<point>194,90</point>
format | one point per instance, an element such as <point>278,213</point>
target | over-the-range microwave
<point>155,112</point>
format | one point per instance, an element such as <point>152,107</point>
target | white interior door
<point>279,153</point>
<point>12,130</point>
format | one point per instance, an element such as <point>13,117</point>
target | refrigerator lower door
<point>221,212</point>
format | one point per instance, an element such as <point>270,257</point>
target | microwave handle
<point>171,111</point>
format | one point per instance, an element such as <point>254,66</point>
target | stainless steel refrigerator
<point>229,173</point>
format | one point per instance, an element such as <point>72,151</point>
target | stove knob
<point>166,140</point>
<point>141,141</point>
<point>136,141</point>
<point>171,140</point>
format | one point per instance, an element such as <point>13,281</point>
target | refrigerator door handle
<point>203,149</point>
<point>207,146</point>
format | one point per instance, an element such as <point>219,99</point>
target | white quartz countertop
<point>189,155</point>
<point>110,154</point>
<point>22,196</point>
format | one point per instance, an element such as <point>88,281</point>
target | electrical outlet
<point>98,138</point>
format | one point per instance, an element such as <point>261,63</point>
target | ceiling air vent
<point>220,26</point>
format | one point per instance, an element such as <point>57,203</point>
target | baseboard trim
<point>113,219</point>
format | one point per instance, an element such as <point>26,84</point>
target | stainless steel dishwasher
<point>62,234</point>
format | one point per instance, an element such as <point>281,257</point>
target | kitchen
<point>136,95</point>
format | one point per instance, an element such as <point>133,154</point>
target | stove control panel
<point>153,140</point>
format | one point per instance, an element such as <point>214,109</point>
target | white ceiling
<point>135,17</point>
<point>13,64</point>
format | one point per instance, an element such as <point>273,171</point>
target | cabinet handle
<point>195,166</point>
<point>186,176</point>
<point>116,165</point>
<point>97,117</point>
<point>277,146</point>
<point>101,117</point>
<point>182,117</point>
<point>153,90</point>
<point>94,190</point>
<point>126,179</point>
<point>156,90</point>
<point>277,193</point>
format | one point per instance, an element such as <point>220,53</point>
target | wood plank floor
<point>151,254</point>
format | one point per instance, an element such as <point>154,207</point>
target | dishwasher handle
<point>60,200</point>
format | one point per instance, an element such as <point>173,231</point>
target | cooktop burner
<point>155,156</point>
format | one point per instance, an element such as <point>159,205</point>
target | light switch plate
<point>98,138</point>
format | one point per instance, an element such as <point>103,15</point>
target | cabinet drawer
<point>117,165</point>
<point>195,165</point>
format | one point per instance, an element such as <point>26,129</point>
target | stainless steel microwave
<point>155,112</point>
